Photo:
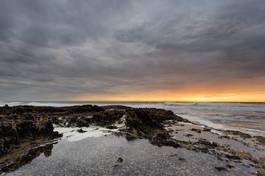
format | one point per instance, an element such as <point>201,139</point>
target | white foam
<point>71,134</point>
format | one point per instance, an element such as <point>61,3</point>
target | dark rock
<point>81,130</point>
<point>189,135</point>
<point>207,143</point>
<point>196,130</point>
<point>239,133</point>
<point>224,136</point>
<point>261,173</point>
<point>26,157</point>
<point>160,137</point>
<point>22,110</point>
<point>204,145</point>
<point>260,139</point>
<point>163,139</point>
<point>116,165</point>
<point>84,109</point>
<point>111,127</point>
<point>119,160</point>
<point>146,122</point>
<point>182,159</point>
<point>232,157</point>
<point>12,131</point>
<point>220,169</point>
<point>206,129</point>
<point>230,166</point>
<point>107,117</point>
<point>171,143</point>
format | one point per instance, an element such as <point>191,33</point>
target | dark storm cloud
<point>63,48</point>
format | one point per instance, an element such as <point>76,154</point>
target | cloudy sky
<point>132,50</point>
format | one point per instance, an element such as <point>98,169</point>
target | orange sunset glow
<point>189,96</point>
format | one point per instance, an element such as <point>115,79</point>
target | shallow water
<point>99,156</point>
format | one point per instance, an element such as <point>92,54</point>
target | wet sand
<point>100,156</point>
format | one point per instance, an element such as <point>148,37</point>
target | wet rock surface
<point>25,154</point>
<point>27,131</point>
<point>15,128</point>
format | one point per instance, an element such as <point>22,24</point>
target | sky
<point>132,50</point>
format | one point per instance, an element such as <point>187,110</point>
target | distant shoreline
<point>89,102</point>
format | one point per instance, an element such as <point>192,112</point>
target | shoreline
<point>223,127</point>
<point>160,127</point>
<point>186,110</point>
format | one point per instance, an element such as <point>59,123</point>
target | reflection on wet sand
<point>24,154</point>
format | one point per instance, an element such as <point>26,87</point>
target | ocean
<point>245,117</point>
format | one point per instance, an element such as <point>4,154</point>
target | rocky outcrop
<point>22,110</point>
<point>29,153</point>
<point>28,122</point>
<point>146,123</point>
<point>100,118</point>
<point>13,130</point>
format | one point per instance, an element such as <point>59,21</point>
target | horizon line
<point>131,101</point>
